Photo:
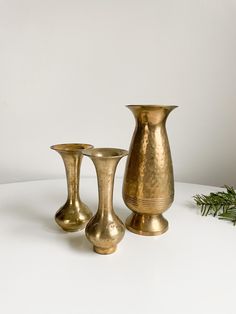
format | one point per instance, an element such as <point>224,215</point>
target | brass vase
<point>105,230</point>
<point>74,214</point>
<point>148,187</point>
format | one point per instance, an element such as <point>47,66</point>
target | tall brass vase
<point>74,214</point>
<point>148,187</point>
<point>105,230</point>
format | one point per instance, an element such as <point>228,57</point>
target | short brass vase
<point>74,214</point>
<point>148,186</point>
<point>105,230</point>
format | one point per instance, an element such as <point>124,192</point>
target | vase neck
<point>105,168</point>
<point>72,162</point>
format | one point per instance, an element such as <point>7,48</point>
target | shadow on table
<point>79,243</point>
<point>32,222</point>
<point>192,206</point>
<point>33,219</point>
<point>25,213</point>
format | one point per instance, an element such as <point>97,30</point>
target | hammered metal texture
<point>148,187</point>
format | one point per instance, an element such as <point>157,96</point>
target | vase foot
<point>70,226</point>
<point>104,251</point>
<point>71,230</point>
<point>146,225</point>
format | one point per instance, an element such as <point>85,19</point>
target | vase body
<point>105,230</point>
<point>74,214</point>
<point>148,186</point>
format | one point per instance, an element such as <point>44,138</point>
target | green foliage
<point>220,204</point>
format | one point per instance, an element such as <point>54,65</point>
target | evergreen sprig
<point>220,204</point>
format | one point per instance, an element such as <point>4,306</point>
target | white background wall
<point>68,67</point>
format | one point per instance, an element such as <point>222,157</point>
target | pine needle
<point>220,204</point>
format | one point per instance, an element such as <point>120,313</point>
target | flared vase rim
<point>105,152</point>
<point>152,106</point>
<point>71,147</point>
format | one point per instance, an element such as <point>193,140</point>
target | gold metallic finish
<point>148,187</point>
<point>74,214</point>
<point>105,230</point>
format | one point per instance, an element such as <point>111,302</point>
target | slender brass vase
<point>148,187</point>
<point>105,230</point>
<point>74,214</point>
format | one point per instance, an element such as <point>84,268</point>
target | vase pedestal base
<point>104,251</point>
<point>146,225</point>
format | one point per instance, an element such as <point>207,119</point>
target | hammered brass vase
<point>74,214</point>
<point>105,230</point>
<point>148,186</point>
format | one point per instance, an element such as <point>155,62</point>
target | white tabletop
<point>189,269</point>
